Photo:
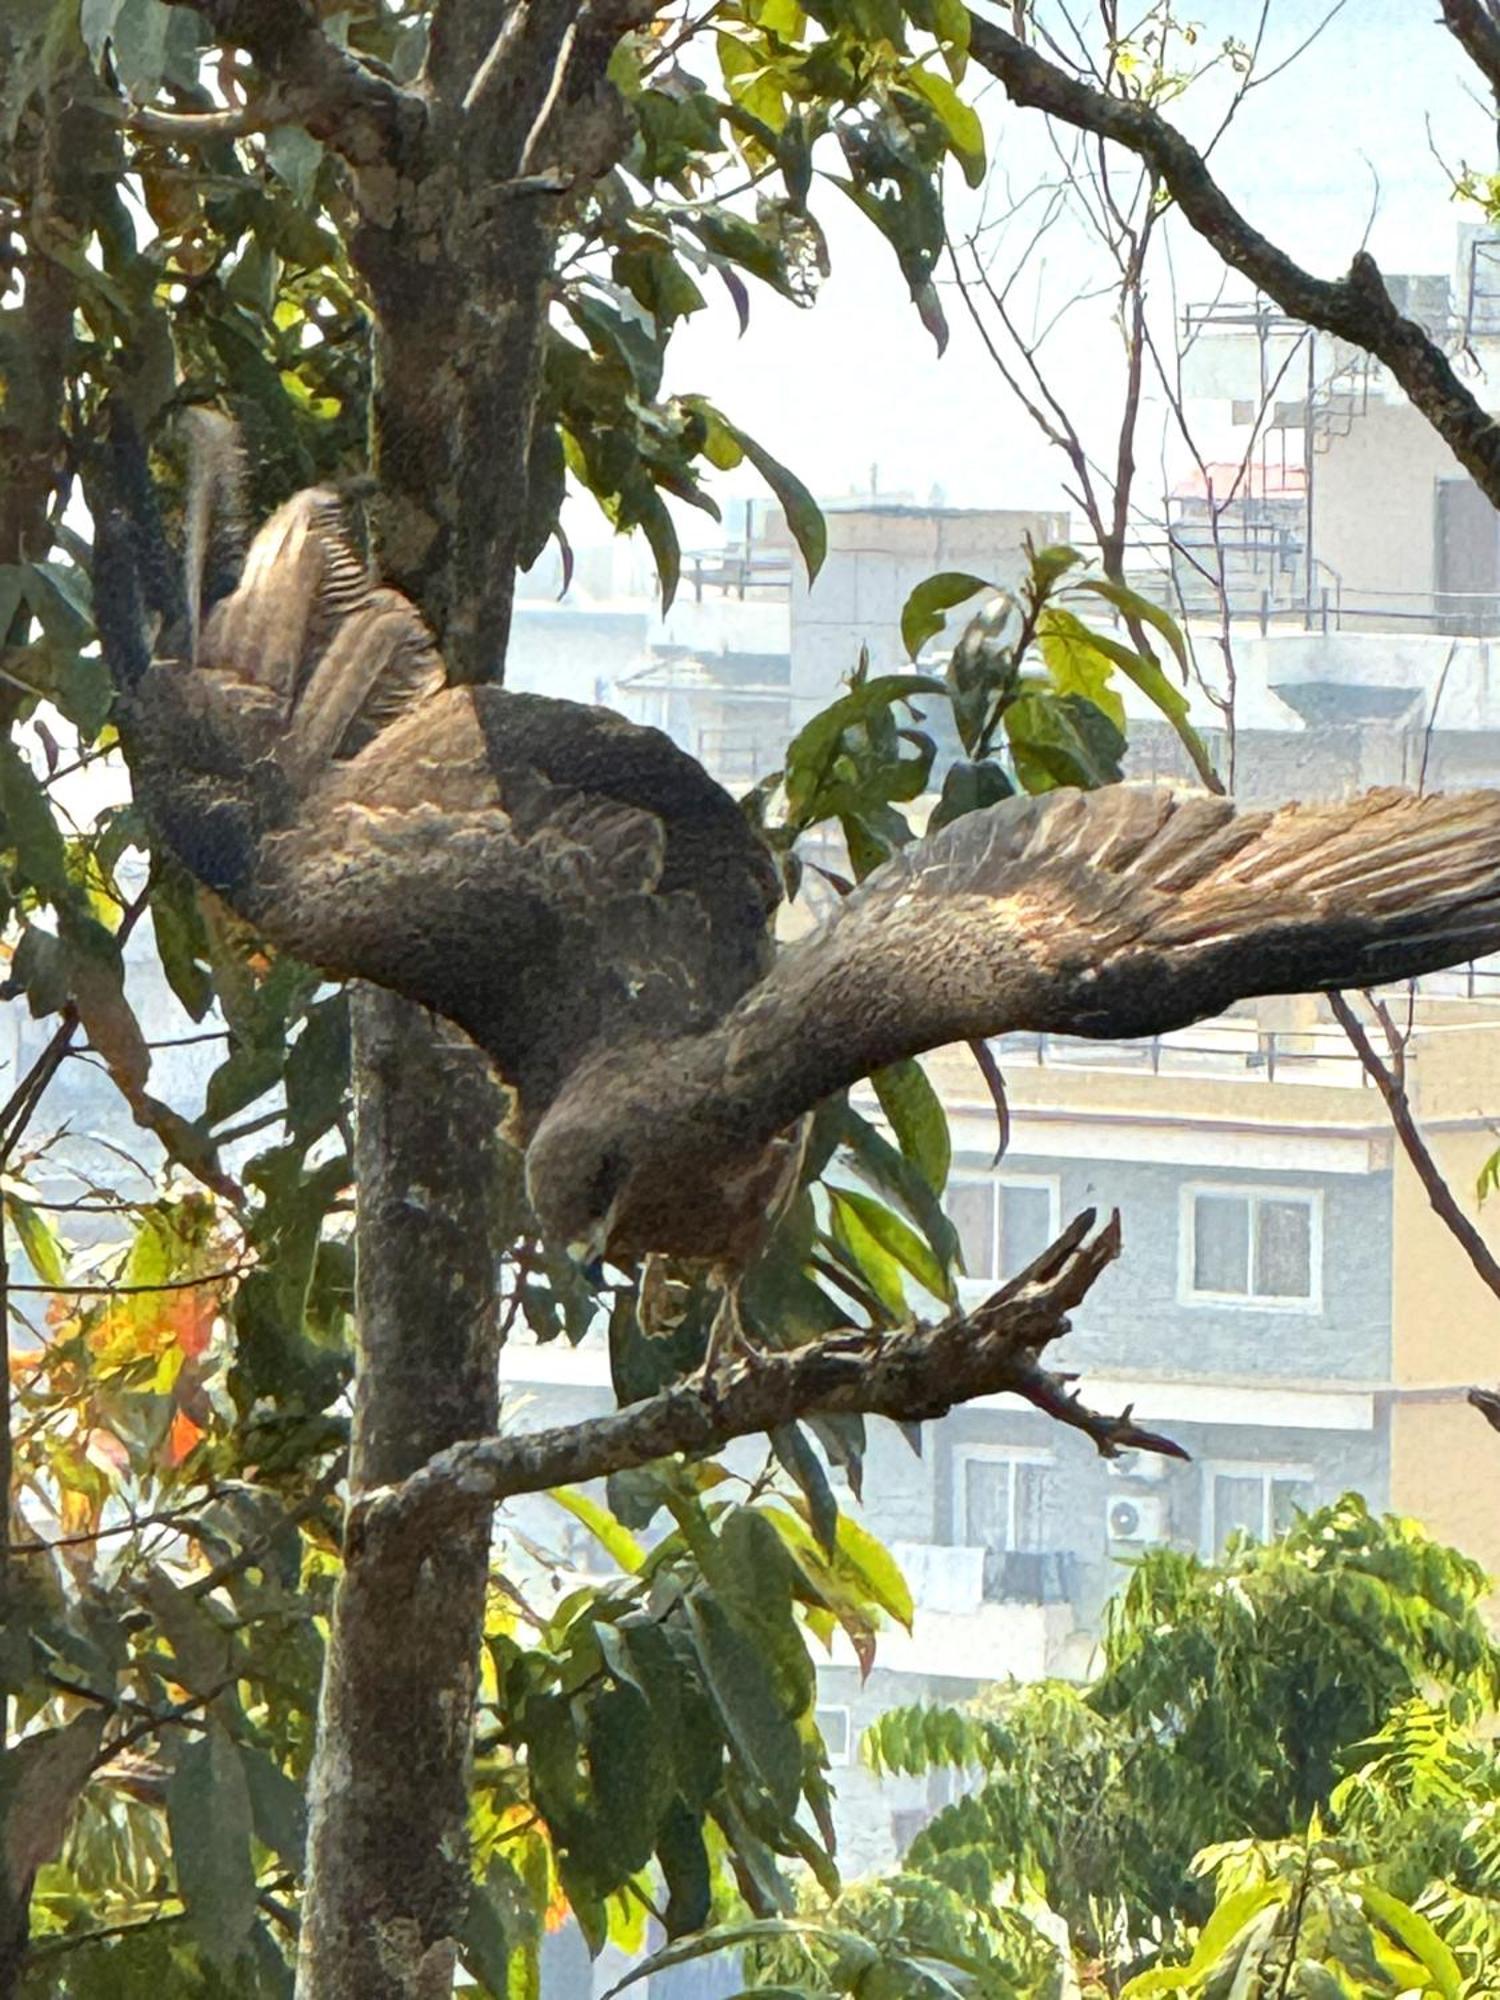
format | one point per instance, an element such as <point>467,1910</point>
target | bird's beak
<point>588,1251</point>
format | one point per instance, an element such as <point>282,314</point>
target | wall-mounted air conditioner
<point>1137,1517</point>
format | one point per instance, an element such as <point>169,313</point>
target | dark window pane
<point>1031,1493</point>
<point>1025,1226</point>
<point>987,1503</point>
<point>1221,1244</point>
<point>1283,1250</point>
<point>971,1209</point>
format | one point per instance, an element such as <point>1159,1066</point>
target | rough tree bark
<point>454,237</point>
<point>388,1881</point>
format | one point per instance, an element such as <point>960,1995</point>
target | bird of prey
<point>579,896</point>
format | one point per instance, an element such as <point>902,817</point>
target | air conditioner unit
<point>1137,1465</point>
<point>1142,1517</point>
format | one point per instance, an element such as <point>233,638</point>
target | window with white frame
<point>836,1727</point>
<point>1252,1246</point>
<point>1260,1501</point>
<point>1000,1493</point>
<point>1004,1221</point>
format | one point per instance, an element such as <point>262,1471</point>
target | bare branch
<point>918,1372</point>
<point>1357,307</point>
<point>326,89</point>
<point>1389,1080</point>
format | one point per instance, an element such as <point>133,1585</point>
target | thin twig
<point>1388,1080</point>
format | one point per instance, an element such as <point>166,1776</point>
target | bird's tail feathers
<point>316,655</point>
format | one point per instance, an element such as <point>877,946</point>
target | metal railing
<point>736,569</point>
<point>1212,1050</point>
<point>1237,1048</point>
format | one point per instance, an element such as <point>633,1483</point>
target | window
<point>999,1497</point>
<point>1002,1224</point>
<point>1260,1501</point>
<point>1246,1246</point>
<point>837,1731</point>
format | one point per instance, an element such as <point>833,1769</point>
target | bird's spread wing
<point>1115,913</point>
<point>548,875</point>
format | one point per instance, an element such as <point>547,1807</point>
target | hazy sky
<point>855,382</point>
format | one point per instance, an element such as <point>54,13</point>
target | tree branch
<point>1357,308</point>
<point>1473,23</point>
<point>335,96</point>
<point>918,1372</point>
<point>1389,1081</point>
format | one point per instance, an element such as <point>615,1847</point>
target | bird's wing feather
<point>546,874</point>
<point>1116,913</point>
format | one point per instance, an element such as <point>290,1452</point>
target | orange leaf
<point>183,1435</point>
<point>192,1318</point>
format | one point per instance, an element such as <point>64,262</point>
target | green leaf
<point>969,788</point>
<point>620,1545</point>
<point>665,1667</point>
<point>1062,740</point>
<point>876,1568</point>
<point>739,242</point>
<point>27,825</point>
<point>1418,1936</point>
<point>924,613</point>
<point>812,776</point>
<point>960,122</point>
<point>1135,606</point>
<point>762,1733</point>
<point>486,1945</point>
<point>866,1254</point>
<point>200,1645</point>
<point>1066,642</point>
<point>804,517</point>
<point>209,1818</point>
<point>1048,566</point>
<point>1076,665</point>
<point>879,1163</point>
<point>660,531</point>
<point>40,1241</point>
<point>860,1219</point>
<point>278,1811</point>
<point>684,1864</point>
<point>915,1114</point>
<point>791,1446</point>
<point>1160,1979</point>
<point>723,1937</point>
<point>631,1773</point>
<point>181,936</point>
<point>1228,1919</point>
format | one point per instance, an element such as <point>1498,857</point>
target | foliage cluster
<point>1282,1779</point>
<point>180,1304</point>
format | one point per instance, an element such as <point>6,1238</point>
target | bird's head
<point>577,1171</point>
<point>629,1158</point>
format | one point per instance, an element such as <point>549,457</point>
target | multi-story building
<point>1287,1307</point>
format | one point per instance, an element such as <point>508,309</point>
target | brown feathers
<point>576,893</point>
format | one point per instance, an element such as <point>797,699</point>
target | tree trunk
<point>460,311</point>
<point>388,1876</point>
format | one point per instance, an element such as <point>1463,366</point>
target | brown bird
<point>579,896</point>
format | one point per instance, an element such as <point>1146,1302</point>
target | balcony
<point>981,1614</point>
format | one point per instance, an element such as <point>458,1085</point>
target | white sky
<point>855,381</point>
